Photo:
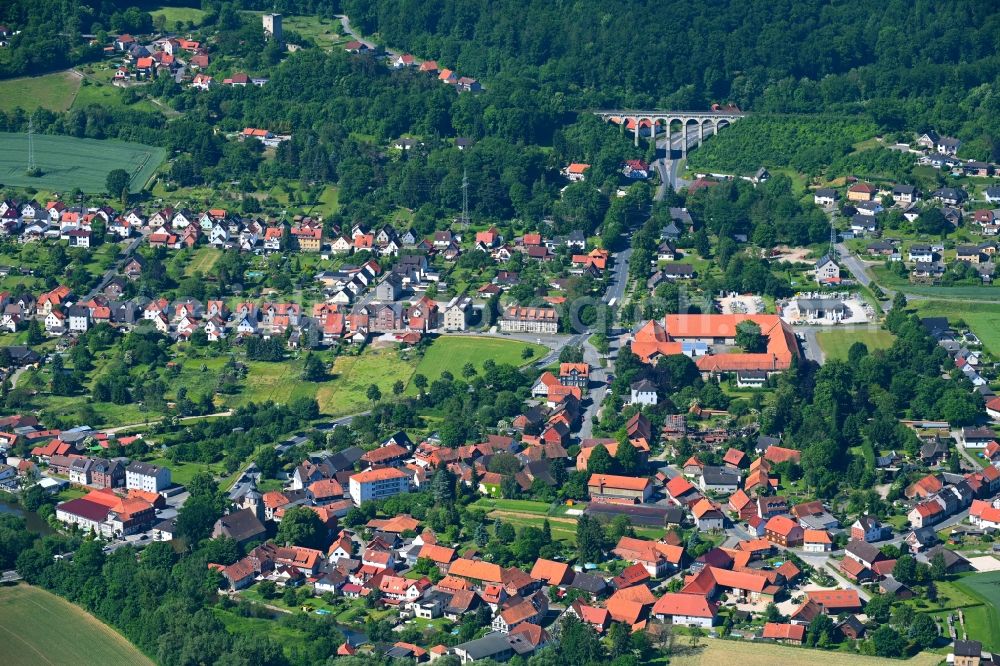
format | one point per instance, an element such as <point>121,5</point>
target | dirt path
<point>183,419</point>
<point>501,513</point>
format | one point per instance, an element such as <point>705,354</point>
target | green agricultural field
<point>886,278</point>
<point>40,628</point>
<point>713,651</point>
<point>452,352</point>
<point>982,318</point>
<point>981,622</point>
<point>836,342</point>
<point>67,162</point>
<point>54,92</point>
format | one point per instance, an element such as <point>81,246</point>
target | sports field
<point>835,343</point>
<point>452,352</point>
<point>67,162</point>
<point>38,627</point>
<point>983,622</point>
<point>716,651</point>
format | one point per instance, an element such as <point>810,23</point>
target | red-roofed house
<point>656,557</point>
<point>689,610</point>
<point>834,602</point>
<point>610,486</point>
<point>551,572</point>
<point>984,514</point>
<point>783,531</point>
<point>926,513</point>
<point>816,541</point>
<point>793,634</point>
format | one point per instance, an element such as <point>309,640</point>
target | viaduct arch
<point>704,123</point>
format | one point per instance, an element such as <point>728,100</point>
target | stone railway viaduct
<point>705,123</point>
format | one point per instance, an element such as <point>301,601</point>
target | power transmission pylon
<point>465,198</point>
<point>31,144</point>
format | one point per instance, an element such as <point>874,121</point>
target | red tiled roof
<point>784,632</point>
<point>476,570</point>
<point>836,600</point>
<point>618,482</point>
<point>691,605</point>
<point>782,525</point>
<point>378,475</point>
<point>551,572</point>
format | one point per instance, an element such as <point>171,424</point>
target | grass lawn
<point>280,382</point>
<point>452,352</point>
<point>98,94</point>
<point>324,32</point>
<point>182,472</point>
<point>836,342</point>
<point>886,278</point>
<point>55,92</point>
<point>982,318</point>
<point>951,595</point>
<point>521,506</point>
<point>67,162</point>
<point>982,622</point>
<point>329,200</point>
<point>345,392</point>
<point>39,627</point>
<point>716,651</point>
<point>525,513</point>
<point>174,14</point>
<point>290,639</point>
<point>203,260</point>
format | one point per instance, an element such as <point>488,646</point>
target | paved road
<point>16,375</point>
<point>345,23</point>
<point>599,376</point>
<point>599,388</point>
<point>667,166</point>
<point>810,345</point>
<point>113,271</point>
<point>859,271</point>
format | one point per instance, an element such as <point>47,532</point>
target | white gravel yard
<point>985,563</point>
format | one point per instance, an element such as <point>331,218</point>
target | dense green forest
<point>907,65</point>
<point>340,122</point>
<point>805,143</point>
<point>44,28</point>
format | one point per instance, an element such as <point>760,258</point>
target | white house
<point>378,484</point>
<point>79,318</point>
<point>816,541</point>
<point>825,197</point>
<point>827,270</point>
<point>143,476</point>
<point>688,610</point>
<point>644,393</point>
<point>921,253</point>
